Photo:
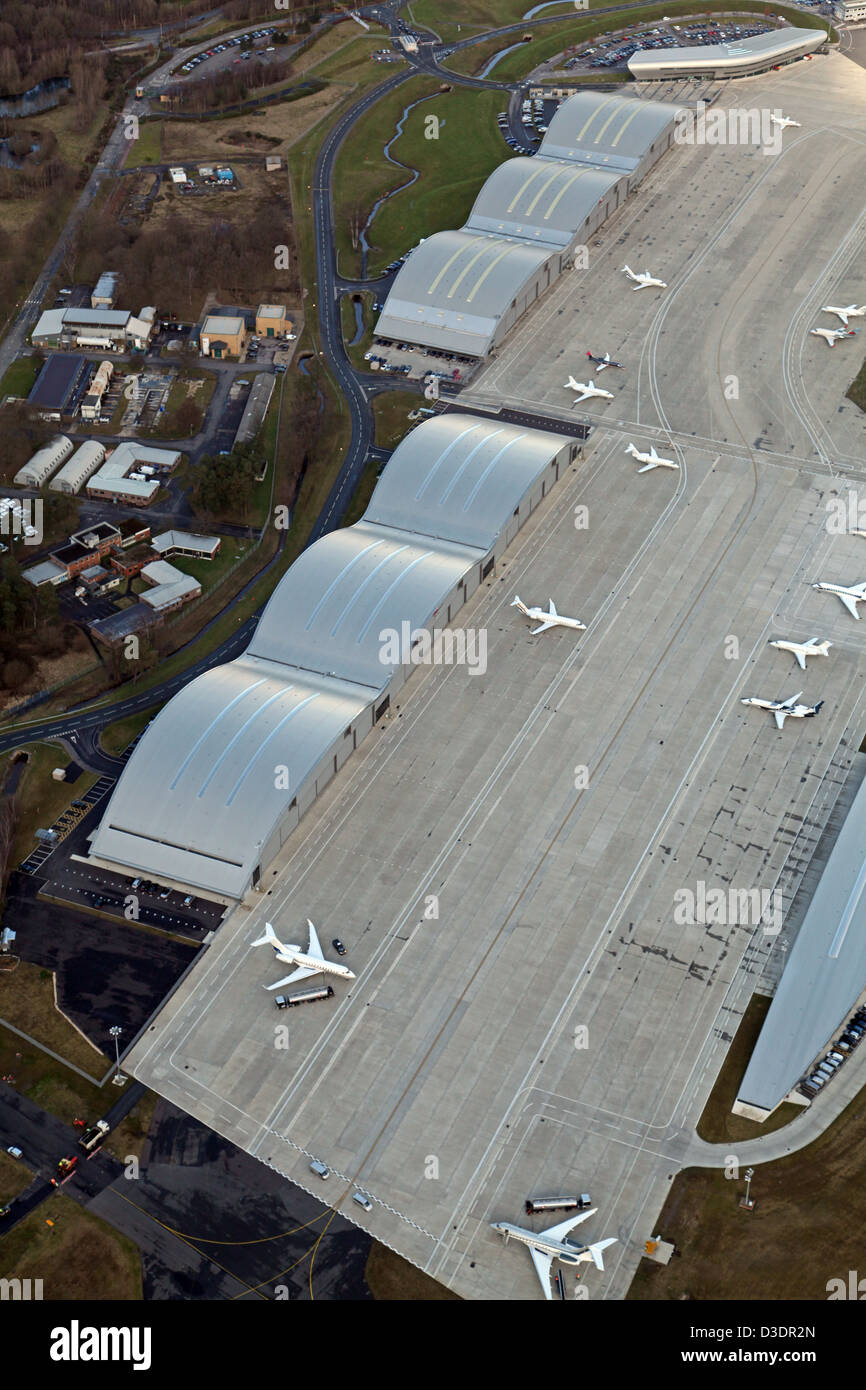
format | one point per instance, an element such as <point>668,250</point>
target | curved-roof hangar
<point>228,767</point>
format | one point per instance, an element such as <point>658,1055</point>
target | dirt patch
<point>243,138</point>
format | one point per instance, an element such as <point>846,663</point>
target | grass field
<point>14,1177</point>
<point>20,377</point>
<point>147,149</point>
<point>391,415</point>
<point>475,16</point>
<point>350,327</point>
<point>717,1124</point>
<point>27,1002</point>
<point>806,1228</point>
<point>42,799</point>
<point>362,494</point>
<point>119,735</point>
<point>391,1278</point>
<point>857,390</point>
<point>451,169</point>
<point>76,1257</point>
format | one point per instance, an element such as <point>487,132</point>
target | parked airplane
<point>850,311</point>
<point>602,362</point>
<point>785,709</point>
<point>800,650</point>
<point>783,121</point>
<point>309,962</point>
<point>549,619</point>
<point>643,282</point>
<point>831,335</point>
<point>850,595</point>
<point>650,460</point>
<point>546,1246</point>
<point>589,390</point>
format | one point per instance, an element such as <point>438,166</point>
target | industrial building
<point>256,407</point>
<point>462,291</point>
<point>132,474</point>
<point>104,291</point>
<point>223,335</point>
<point>199,802</point>
<point>271,320</point>
<point>91,405</point>
<point>58,385</point>
<point>186,543</point>
<point>110,330</point>
<point>82,465</point>
<point>172,588</point>
<point>738,58</point>
<point>849,9</point>
<point>44,462</point>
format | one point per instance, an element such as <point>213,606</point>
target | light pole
<point>115,1033</point>
<point>747,1203</point>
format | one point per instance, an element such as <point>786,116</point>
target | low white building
<point>44,462</point>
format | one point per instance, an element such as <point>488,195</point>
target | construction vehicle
<point>93,1138</point>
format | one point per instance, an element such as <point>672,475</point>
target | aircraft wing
<point>542,1262</point>
<point>596,1250</point>
<point>647,467</point>
<point>533,632</point>
<point>315,948</point>
<point>780,715</point>
<point>585,397</point>
<point>801,659</point>
<point>851,604</point>
<point>791,702</point>
<point>301,973</point>
<point>561,1231</point>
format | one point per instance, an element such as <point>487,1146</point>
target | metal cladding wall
<point>201,802</point>
<point>83,463</point>
<point>740,58</point>
<point>463,291</point>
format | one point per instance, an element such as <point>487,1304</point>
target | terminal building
<point>738,58</point>
<point>229,766</point>
<point>823,979</point>
<point>461,292</point>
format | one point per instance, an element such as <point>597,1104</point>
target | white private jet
<point>546,1246</point>
<point>832,335</point>
<point>549,619</point>
<point>644,281</point>
<point>309,962</point>
<point>783,121</point>
<point>850,311</point>
<point>850,594</point>
<point>784,709</point>
<point>650,460</point>
<point>800,650</point>
<point>588,389</point>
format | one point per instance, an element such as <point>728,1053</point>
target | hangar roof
<point>198,801</point>
<point>825,973</point>
<point>328,611</point>
<point>458,478</point>
<point>733,56</point>
<point>610,132</point>
<point>455,287</point>
<point>543,201</point>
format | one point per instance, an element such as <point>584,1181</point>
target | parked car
<point>320,1169</point>
<point>14,1151</point>
<point>338,946</point>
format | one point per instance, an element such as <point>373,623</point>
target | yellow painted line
<point>543,189</point>
<point>446,266</point>
<point>597,112</point>
<point>536,174</point>
<point>625,125</point>
<point>482,278</point>
<point>485,246</point>
<point>612,117</point>
<point>564,189</point>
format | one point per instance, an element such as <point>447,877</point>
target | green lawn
<point>147,149</point>
<point>391,415</point>
<point>119,735</point>
<point>350,327</point>
<point>20,377</point>
<point>451,168</point>
<point>475,16</point>
<point>362,494</point>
